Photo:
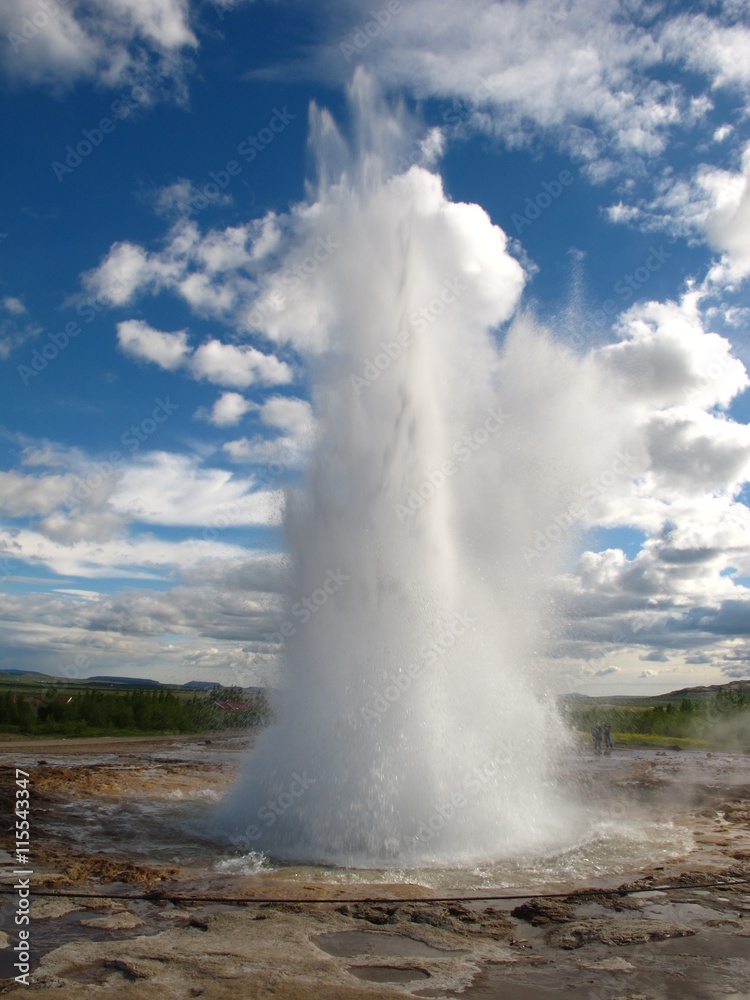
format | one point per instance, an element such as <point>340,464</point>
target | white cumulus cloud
<point>215,361</point>
<point>111,41</point>
<point>140,341</point>
<point>239,366</point>
<point>172,489</point>
<point>228,410</point>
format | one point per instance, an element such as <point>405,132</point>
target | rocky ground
<point>677,929</point>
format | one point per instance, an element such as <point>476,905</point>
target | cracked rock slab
<point>631,930</point>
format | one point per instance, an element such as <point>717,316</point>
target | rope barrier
<point>156,896</point>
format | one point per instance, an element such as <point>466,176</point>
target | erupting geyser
<point>416,729</point>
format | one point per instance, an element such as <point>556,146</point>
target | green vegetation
<point>721,719</point>
<point>83,711</point>
<point>671,742</point>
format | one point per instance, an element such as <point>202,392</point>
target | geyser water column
<point>415,729</point>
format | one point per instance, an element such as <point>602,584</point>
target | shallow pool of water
<point>629,817</point>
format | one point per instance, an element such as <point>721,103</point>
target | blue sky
<point>151,149</point>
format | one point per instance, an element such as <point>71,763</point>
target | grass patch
<point>93,732</point>
<point>667,742</point>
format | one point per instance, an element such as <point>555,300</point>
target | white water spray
<point>416,729</point>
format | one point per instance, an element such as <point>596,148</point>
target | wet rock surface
<point>455,918</point>
<point>634,930</point>
<point>540,912</point>
<point>677,930</point>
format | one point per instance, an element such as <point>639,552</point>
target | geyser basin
<point>639,811</point>
<point>417,729</point>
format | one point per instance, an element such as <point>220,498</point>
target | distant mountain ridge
<point>24,673</point>
<point>709,689</point>
<point>699,692</point>
<point>108,679</point>
<point>131,681</point>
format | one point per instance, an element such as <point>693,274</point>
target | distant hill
<point>706,690</point>
<point>23,673</point>
<point>37,678</point>
<point>130,681</point>
<point>700,692</point>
